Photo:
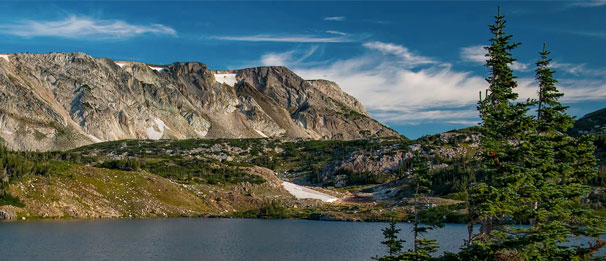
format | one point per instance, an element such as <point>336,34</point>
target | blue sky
<point>416,66</point>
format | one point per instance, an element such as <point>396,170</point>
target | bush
<point>273,209</point>
<point>126,164</point>
<point>8,199</point>
<point>452,179</point>
<point>362,178</point>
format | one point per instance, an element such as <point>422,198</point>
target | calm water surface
<point>204,239</point>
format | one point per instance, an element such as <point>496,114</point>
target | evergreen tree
<point>505,125</point>
<point>421,181</point>
<point>531,172</point>
<point>393,244</point>
<point>559,169</point>
<point>551,114</point>
<point>423,222</point>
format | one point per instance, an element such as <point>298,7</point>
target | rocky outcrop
<point>64,100</point>
<point>8,213</point>
<point>332,90</point>
<point>319,109</point>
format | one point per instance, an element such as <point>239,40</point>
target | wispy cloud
<point>83,27</point>
<point>398,91</point>
<point>477,54</point>
<point>286,38</point>
<point>518,66</point>
<point>464,122</point>
<point>337,33</point>
<point>335,18</point>
<point>403,90</point>
<point>589,3</point>
<point>414,117</point>
<point>287,58</point>
<point>575,90</point>
<point>406,56</point>
<point>591,34</point>
<point>578,69</point>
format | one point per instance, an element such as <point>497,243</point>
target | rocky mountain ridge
<point>65,100</point>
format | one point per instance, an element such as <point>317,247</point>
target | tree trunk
<point>470,233</point>
<point>486,227</point>
<point>416,225</point>
<point>534,206</point>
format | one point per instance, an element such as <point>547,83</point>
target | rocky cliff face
<point>64,100</point>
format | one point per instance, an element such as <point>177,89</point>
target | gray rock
<point>7,213</point>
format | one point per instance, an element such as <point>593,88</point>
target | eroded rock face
<point>64,100</point>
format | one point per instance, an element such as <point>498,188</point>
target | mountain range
<point>60,101</point>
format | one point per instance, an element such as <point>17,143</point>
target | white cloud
<point>400,51</point>
<point>574,90</point>
<point>414,117</point>
<point>337,33</point>
<point>83,27</point>
<point>335,18</point>
<point>287,58</point>
<point>400,91</point>
<point>285,38</point>
<point>582,90</point>
<point>517,66</point>
<point>476,54</point>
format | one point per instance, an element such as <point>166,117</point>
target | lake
<point>204,239</point>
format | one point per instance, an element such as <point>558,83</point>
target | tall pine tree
<point>551,114</point>
<point>423,222</point>
<point>505,125</point>
<point>393,244</point>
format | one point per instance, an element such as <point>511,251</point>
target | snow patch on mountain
<point>5,56</point>
<point>227,78</point>
<point>302,192</point>
<point>156,133</point>
<point>156,68</point>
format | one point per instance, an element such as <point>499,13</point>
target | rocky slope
<point>65,100</point>
<point>592,123</point>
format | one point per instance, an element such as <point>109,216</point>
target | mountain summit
<point>64,100</point>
